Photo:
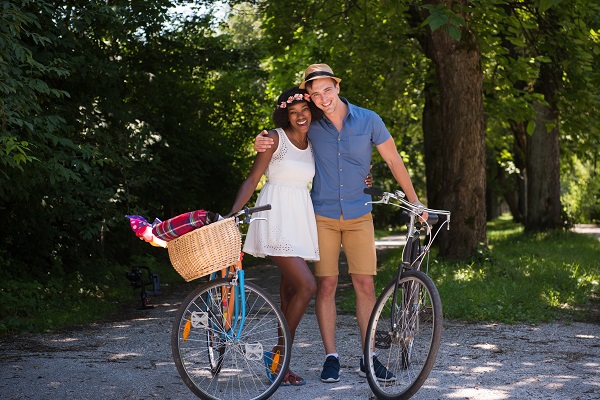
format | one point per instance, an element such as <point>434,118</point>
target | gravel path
<point>131,359</point>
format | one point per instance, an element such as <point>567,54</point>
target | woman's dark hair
<point>280,115</point>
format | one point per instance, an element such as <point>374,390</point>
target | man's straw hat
<point>318,71</point>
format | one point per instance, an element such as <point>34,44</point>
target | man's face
<point>324,93</point>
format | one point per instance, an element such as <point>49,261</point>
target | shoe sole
<point>364,375</point>
<point>330,380</point>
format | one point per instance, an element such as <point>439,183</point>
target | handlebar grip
<point>374,192</point>
<point>259,208</point>
<point>432,219</point>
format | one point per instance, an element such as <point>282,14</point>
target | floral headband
<point>296,97</point>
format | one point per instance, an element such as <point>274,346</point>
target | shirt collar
<point>351,107</point>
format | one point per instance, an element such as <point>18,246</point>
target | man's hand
<point>425,215</point>
<point>263,142</point>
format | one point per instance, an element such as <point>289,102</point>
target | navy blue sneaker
<point>331,370</point>
<point>381,372</point>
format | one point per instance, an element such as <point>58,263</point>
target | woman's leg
<point>297,287</point>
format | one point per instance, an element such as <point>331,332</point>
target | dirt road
<point>131,359</point>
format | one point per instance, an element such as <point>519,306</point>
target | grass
<point>523,277</point>
<point>65,301</point>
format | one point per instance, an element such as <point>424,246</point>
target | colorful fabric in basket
<point>143,230</point>
<point>183,223</point>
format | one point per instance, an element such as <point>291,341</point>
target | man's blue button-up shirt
<point>342,162</point>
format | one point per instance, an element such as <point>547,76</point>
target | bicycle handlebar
<point>414,209</point>
<point>243,216</point>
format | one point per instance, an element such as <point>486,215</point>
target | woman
<point>289,234</point>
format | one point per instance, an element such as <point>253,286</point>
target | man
<point>342,143</point>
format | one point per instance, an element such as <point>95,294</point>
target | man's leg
<point>326,310</point>
<point>365,301</point>
<point>326,270</point>
<point>358,239</point>
<point>359,245</point>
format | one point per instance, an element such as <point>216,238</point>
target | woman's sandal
<point>291,379</point>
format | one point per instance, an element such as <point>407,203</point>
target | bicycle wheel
<point>409,349</point>
<point>218,360</point>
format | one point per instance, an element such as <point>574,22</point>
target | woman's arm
<point>261,162</point>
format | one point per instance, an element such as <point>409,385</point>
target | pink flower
<point>290,99</point>
<point>306,96</point>
<point>283,105</point>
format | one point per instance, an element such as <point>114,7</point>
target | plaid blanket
<point>183,223</point>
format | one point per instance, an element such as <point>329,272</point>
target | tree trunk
<point>454,132</point>
<point>543,158</point>
<point>543,173</point>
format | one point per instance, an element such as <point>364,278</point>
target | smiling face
<point>299,116</point>
<point>325,94</point>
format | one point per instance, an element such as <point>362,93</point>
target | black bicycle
<point>405,328</point>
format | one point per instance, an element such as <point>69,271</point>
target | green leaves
<point>442,17</point>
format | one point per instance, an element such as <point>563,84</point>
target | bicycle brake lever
<point>257,219</point>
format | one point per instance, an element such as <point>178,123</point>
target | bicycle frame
<point>233,303</point>
<point>413,253</point>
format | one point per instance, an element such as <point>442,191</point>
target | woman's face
<point>299,116</point>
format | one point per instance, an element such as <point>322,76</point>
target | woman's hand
<point>369,180</point>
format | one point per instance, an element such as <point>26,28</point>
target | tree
<point>453,127</point>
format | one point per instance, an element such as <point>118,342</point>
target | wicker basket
<point>206,250</point>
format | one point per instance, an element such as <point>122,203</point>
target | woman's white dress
<point>290,228</point>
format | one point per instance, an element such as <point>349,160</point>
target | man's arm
<point>390,155</point>
<point>263,142</point>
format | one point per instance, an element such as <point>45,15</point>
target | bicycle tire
<point>409,351</point>
<point>218,364</point>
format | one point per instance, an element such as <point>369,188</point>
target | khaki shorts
<point>357,236</point>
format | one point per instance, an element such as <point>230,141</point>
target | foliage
<point>580,188</point>
<point>113,108</point>
<point>524,278</point>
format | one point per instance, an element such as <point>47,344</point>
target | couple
<point>299,229</point>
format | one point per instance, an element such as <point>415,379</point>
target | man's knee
<point>326,285</point>
<point>363,285</point>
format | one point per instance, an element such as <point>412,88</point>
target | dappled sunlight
<point>123,356</point>
<point>303,345</point>
<point>483,370</point>
<point>65,340</point>
<point>486,346</point>
<point>342,387</point>
<point>145,319</point>
<point>587,336</point>
<point>478,394</point>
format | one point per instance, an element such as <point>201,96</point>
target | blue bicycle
<point>225,331</point>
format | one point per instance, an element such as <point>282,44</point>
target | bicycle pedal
<point>254,351</point>
<point>199,319</point>
<point>382,340</point>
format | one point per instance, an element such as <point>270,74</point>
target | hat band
<point>313,75</point>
